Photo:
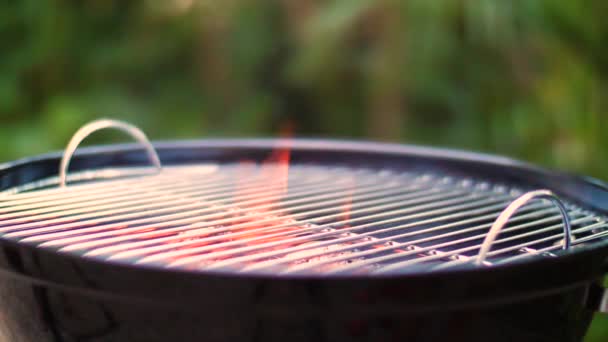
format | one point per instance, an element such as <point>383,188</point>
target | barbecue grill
<point>300,240</point>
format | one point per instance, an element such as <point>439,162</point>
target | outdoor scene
<point>525,79</point>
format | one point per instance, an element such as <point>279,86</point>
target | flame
<point>259,191</point>
<point>271,176</point>
<point>274,173</point>
<point>277,165</point>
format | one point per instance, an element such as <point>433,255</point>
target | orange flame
<point>260,209</point>
<point>275,169</point>
<point>272,176</point>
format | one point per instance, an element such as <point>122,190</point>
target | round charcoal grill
<point>300,240</point>
<point>319,219</point>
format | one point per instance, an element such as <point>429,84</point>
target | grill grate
<point>262,218</point>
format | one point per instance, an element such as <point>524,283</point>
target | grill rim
<point>584,190</point>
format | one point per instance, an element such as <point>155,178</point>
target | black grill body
<point>39,313</point>
<point>61,297</point>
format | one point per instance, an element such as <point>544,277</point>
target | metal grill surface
<point>310,219</point>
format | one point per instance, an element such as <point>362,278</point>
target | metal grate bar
<point>389,243</point>
<point>545,239</point>
<point>293,197</point>
<point>474,248</point>
<point>183,186</point>
<point>168,180</point>
<point>200,205</point>
<point>216,191</point>
<point>97,182</point>
<point>147,201</point>
<point>546,250</point>
<point>270,223</point>
<point>425,210</point>
<point>118,198</point>
<point>120,191</point>
<point>267,218</point>
<point>368,243</point>
<point>401,265</point>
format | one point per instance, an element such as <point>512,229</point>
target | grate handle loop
<point>510,210</point>
<point>97,125</point>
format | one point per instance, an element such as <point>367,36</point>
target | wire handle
<point>97,125</point>
<point>510,210</point>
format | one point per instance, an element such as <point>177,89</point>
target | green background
<point>527,79</point>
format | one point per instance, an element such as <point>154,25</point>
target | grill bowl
<point>67,296</point>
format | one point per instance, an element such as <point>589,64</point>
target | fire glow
<point>263,221</point>
<point>253,222</point>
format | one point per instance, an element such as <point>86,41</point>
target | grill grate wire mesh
<point>315,219</point>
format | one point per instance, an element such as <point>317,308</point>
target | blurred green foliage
<point>521,78</point>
